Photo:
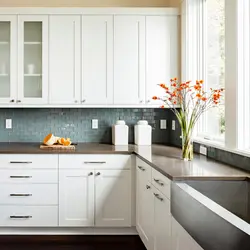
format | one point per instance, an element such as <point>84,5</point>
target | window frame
<point>237,112</point>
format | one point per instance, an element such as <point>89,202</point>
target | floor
<point>71,243</point>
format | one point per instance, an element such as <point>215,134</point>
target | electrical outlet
<point>94,124</point>
<point>203,150</point>
<point>8,123</point>
<point>173,124</point>
<point>163,124</point>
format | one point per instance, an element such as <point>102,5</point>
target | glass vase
<point>187,147</point>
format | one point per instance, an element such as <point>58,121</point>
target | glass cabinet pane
<point>32,59</point>
<point>4,59</point>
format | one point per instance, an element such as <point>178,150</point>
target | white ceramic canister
<point>143,133</point>
<point>120,133</point>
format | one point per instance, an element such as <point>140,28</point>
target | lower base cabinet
<point>113,198</point>
<point>94,198</point>
<point>76,198</point>
<point>181,240</point>
<point>162,222</point>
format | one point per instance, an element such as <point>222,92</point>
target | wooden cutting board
<point>58,147</point>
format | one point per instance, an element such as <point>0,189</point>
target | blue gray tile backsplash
<point>31,125</point>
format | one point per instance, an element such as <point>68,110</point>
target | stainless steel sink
<point>215,213</point>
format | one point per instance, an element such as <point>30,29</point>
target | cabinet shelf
<point>4,42</point>
<point>32,75</point>
<point>32,43</point>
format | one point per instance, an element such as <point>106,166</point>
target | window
<point>213,121</point>
<point>243,75</point>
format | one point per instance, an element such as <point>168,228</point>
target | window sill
<point>221,146</point>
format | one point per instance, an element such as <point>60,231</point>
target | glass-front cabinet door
<point>33,59</point>
<point>8,59</point>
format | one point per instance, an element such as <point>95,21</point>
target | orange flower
<point>198,95</point>
<point>174,102</point>
<point>175,79</point>
<point>201,81</point>
<point>162,107</point>
<point>203,99</point>
<point>155,98</point>
<point>174,84</point>
<point>197,87</point>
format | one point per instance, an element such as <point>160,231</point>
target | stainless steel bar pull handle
<point>20,195</point>
<point>141,168</point>
<point>148,187</point>
<point>159,182</point>
<point>20,217</point>
<point>20,176</point>
<point>158,197</point>
<point>94,162</point>
<point>20,162</point>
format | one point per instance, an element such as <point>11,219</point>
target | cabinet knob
<point>76,101</point>
<point>141,168</point>
<point>12,100</point>
<point>83,100</point>
<point>148,101</point>
<point>18,101</point>
<point>141,101</point>
<point>90,173</point>
<point>98,173</point>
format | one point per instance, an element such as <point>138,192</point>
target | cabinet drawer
<point>144,168</point>
<point>25,176</point>
<point>29,216</point>
<point>28,161</point>
<point>95,161</point>
<point>161,182</point>
<point>29,194</point>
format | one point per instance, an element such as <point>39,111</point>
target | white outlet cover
<point>163,124</point>
<point>8,123</point>
<point>173,124</point>
<point>94,124</point>
<point>203,150</point>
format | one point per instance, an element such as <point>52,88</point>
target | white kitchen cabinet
<point>181,240</point>
<point>162,221</point>
<point>64,59</point>
<point>144,206</point>
<point>129,59</point>
<point>8,59</point>
<point>32,59</point>
<point>97,59</point>
<point>113,198</point>
<point>76,198</point>
<point>162,54</point>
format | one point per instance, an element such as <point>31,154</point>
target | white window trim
<point>195,68</point>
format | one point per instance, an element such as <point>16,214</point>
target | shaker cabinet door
<point>32,59</point>
<point>129,60</point>
<point>113,198</point>
<point>64,59</point>
<point>97,60</point>
<point>8,59</point>
<point>162,46</point>
<point>76,198</point>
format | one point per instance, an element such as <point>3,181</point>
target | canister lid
<point>120,122</point>
<point>142,122</point>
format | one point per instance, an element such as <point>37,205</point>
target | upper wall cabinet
<point>64,59</point>
<point>162,46</point>
<point>129,60</point>
<point>8,58</point>
<point>32,59</point>
<point>97,60</point>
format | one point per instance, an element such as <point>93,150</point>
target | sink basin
<point>215,213</point>
<point>232,195</point>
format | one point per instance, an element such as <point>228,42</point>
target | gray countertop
<point>166,160</point>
